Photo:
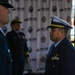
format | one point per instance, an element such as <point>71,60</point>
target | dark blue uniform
<point>5,56</point>
<point>61,61</point>
<point>19,51</point>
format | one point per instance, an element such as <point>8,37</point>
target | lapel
<point>62,43</point>
<point>1,34</point>
<point>50,50</point>
<point>3,37</point>
<point>59,47</point>
<point>15,34</point>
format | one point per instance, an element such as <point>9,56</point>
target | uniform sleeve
<point>3,61</point>
<point>9,39</point>
<point>26,48</point>
<point>68,62</point>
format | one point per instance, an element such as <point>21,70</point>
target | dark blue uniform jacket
<point>5,56</point>
<point>18,46</point>
<point>61,61</point>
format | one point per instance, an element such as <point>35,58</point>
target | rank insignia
<point>56,57</point>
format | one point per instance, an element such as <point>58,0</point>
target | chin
<point>6,22</point>
<point>51,39</point>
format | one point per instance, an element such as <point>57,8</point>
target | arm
<point>68,61</point>
<point>4,63</point>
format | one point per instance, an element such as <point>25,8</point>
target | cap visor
<point>16,22</point>
<point>48,26</point>
<point>20,22</point>
<point>51,27</point>
<point>7,5</point>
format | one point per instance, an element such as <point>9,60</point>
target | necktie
<point>18,35</point>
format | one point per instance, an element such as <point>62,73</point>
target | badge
<point>56,57</point>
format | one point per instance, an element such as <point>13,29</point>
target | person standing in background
<point>18,47</point>
<point>5,56</point>
<point>61,56</point>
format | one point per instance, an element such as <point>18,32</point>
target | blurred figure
<point>5,56</point>
<point>18,47</point>
<point>61,56</point>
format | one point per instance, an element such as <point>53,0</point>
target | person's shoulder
<point>65,43</point>
<point>22,33</point>
<point>9,33</point>
<point>68,47</point>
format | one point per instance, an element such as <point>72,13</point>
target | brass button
<point>53,65</point>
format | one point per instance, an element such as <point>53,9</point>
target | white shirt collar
<point>17,31</point>
<point>57,43</point>
<point>2,31</point>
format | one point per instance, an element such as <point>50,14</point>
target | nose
<point>50,32</point>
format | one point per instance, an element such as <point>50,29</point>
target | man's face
<point>4,15</point>
<point>55,34</point>
<point>16,26</point>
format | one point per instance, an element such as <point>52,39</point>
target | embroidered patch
<point>56,57</point>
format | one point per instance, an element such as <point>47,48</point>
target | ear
<point>62,31</point>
